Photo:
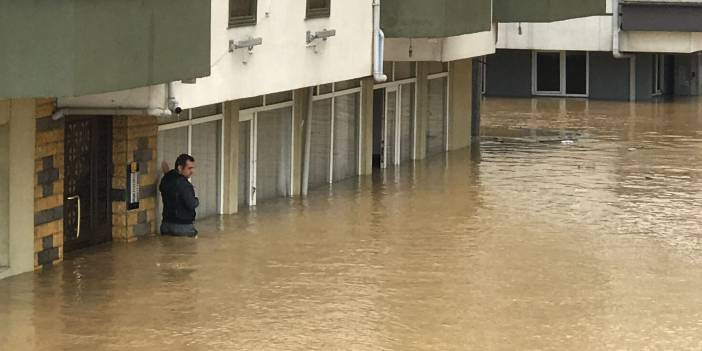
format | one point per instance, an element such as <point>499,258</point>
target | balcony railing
<point>75,47</point>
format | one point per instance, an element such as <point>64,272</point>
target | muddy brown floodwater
<point>575,226</point>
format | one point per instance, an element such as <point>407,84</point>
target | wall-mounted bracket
<point>245,44</point>
<point>323,34</point>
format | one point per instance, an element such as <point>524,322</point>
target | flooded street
<point>575,226</point>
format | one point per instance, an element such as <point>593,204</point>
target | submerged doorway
<point>560,73</point>
<point>378,121</point>
<point>87,182</point>
<point>265,154</point>
<point>393,124</point>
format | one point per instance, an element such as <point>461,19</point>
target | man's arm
<point>188,195</point>
<point>164,167</point>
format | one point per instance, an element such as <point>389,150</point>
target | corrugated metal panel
<point>546,10</point>
<point>72,47</point>
<point>320,143</point>
<point>435,18</point>
<point>346,112</point>
<point>436,133</point>
<point>206,149</point>
<point>273,154</point>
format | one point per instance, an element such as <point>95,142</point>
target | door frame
<point>190,123</point>
<point>447,102</point>
<point>251,114</point>
<point>398,86</point>
<point>333,95</point>
<point>77,244</point>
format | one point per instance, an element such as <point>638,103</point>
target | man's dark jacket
<point>179,201</point>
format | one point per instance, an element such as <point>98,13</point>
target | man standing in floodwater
<point>179,200</point>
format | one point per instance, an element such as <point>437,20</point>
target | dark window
<point>576,73</point>
<point>548,72</point>
<point>242,12</point>
<point>318,8</point>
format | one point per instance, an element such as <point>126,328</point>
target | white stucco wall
<point>4,188</point>
<point>21,141</point>
<point>586,34</point>
<point>592,34</point>
<point>283,62</point>
<point>442,49</point>
<point>661,42</point>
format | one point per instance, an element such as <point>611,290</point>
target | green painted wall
<point>55,48</point>
<point>546,10</point>
<point>434,18</point>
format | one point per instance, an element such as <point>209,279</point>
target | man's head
<point>185,165</point>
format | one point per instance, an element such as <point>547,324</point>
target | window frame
<point>563,92</point>
<point>319,12</point>
<point>243,21</point>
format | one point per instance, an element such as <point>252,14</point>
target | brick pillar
<point>134,140</point>
<point>48,186</point>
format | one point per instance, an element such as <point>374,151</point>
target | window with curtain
<point>318,8</point>
<point>242,12</point>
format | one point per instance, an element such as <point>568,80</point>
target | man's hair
<point>182,160</point>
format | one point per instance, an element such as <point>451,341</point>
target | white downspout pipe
<point>378,45</point>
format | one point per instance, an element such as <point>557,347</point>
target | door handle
<point>76,197</point>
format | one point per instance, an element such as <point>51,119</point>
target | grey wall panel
<point>686,75</point>
<point>609,77</point>
<point>509,73</point>
<point>662,17</point>
<point>644,77</point>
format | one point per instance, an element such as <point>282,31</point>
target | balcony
<point>435,18</point>
<point>506,11</point>
<point>64,48</point>
<point>662,16</point>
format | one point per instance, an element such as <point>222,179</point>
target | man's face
<point>188,170</point>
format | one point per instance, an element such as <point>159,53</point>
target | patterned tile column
<point>48,188</point>
<point>134,140</point>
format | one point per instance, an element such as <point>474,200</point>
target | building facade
<point>612,50</point>
<point>272,98</point>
